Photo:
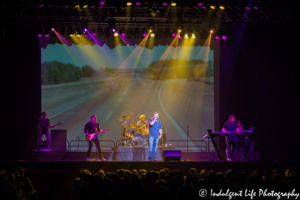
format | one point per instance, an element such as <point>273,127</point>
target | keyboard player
<point>230,127</point>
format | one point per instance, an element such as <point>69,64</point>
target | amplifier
<point>58,140</point>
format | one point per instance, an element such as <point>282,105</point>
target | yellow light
<point>115,34</point>
<point>85,6</point>
<point>212,7</point>
<point>193,35</point>
<point>186,36</point>
<point>150,31</point>
<point>129,3</point>
<point>173,4</point>
<point>77,6</point>
<point>211,31</point>
<point>78,35</point>
<point>179,31</point>
<point>222,7</point>
<point>71,35</point>
<point>152,34</point>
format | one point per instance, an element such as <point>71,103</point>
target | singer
<point>155,133</point>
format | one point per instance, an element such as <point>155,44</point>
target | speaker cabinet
<point>172,155</point>
<point>58,140</point>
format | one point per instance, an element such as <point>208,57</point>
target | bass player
<point>89,129</point>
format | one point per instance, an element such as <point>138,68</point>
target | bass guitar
<point>47,127</point>
<point>90,136</point>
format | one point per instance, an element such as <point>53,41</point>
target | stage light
<point>92,6</point>
<point>114,30</point>
<point>173,4</point>
<point>199,4</point>
<point>222,7</point>
<point>186,36</point>
<point>85,35</point>
<point>50,6</point>
<point>152,34</point>
<point>164,4</point>
<point>46,35</point>
<point>247,8</point>
<point>255,8</point>
<point>129,3</point>
<point>150,31</point>
<point>173,35</point>
<point>224,37</point>
<point>138,3</point>
<point>94,34</point>
<point>102,3</point>
<point>77,6</point>
<point>213,7</point>
<point>123,34</point>
<point>193,35</point>
<point>78,35</point>
<point>211,31</point>
<point>52,29</point>
<point>85,6</point>
<point>85,29</point>
<point>203,7</point>
<point>179,31</point>
<point>179,36</point>
<point>40,35</point>
<point>115,34</point>
<point>144,34</point>
<point>41,5</point>
<point>217,37</point>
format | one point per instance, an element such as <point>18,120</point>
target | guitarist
<point>93,127</point>
<point>43,126</point>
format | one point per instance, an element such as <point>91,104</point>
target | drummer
<point>143,123</point>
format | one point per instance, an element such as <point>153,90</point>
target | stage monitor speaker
<point>58,140</point>
<point>172,155</point>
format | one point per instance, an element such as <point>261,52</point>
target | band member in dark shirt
<point>43,126</point>
<point>230,127</point>
<point>155,133</point>
<point>93,127</point>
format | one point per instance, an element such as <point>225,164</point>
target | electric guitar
<point>46,127</point>
<point>90,136</point>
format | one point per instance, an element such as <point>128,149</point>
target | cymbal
<point>135,126</point>
<point>119,120</point>
<point>126,117</point>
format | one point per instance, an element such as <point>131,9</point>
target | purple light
<point>41,6</point>
<point>102,3</point>
<point>92,6</point>
<point>85,35</point>
<point>203,7</point>
<point>113,30</point>
<point>123,34</point>
<point>199,4</point>
<point>164,4</point>
<point>173,34</point>
<point>40,35</point>
<point>255,8</point>
<point>247,8</point>
<point>50,6</point>
<point>46,35</point>
<point>224,37</point>
<point>217,37</point>
<point>94,34</point>
<point>144,34</point>
<point>85,29</point>
<point>52,29</point>
<point>138,3</point>
<point>179,36</point>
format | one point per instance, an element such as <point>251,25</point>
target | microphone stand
<point>78,143</point>
<point>96,140</point>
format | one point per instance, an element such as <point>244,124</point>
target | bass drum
<point>138,140</point>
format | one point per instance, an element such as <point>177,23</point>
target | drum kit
<point>133,134</point>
